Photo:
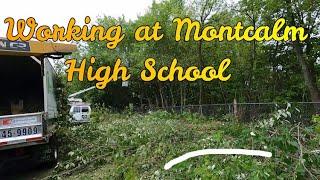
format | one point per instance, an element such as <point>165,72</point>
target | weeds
<point>130,146</point>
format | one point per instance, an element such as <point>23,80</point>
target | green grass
<point>133,146</point>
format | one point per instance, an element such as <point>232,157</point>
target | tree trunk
<point>184,94</point>
<point>157,101</point>
<point>173,102</point>
<point>200,82</point>
<point>181,97</point>
<point>252,64</point>
<point>307,68</point>
<point>309,77</point>
<point>149,103</point>
<point>161,95</point>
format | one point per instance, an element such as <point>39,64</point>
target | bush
<point>138,146</point>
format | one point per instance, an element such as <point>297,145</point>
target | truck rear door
<point>50,104</point>
<point>22,128</point>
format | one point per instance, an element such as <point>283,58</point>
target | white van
<point>80,113</point>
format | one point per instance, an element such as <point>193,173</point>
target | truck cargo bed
<point>22,85</point>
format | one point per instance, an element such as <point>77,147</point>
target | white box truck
<point>28,104</point>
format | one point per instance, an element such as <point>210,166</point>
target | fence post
<point>235,108</point>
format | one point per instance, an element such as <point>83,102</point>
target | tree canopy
<point>264,71</point>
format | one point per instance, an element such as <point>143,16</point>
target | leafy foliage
<point>261,71</point>
<point>129,145</point>
<point>137,146</point>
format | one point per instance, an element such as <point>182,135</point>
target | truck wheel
<point>2,168</point>
<point>48,155</point>
<point>53,152</point>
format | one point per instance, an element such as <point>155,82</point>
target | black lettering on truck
<point>14,45</point>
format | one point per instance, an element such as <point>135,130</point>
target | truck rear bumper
<point>24,141</point>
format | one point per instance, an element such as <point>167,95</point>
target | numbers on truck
<point>35,130</point>
<point>24,131</point>
<point>4,134</point>
<point>16,132</point>
<point>9,133</point>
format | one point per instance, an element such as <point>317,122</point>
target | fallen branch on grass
<point>78,168</point>
<point>301,154</point>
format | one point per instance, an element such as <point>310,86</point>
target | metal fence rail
<point>300,111</point>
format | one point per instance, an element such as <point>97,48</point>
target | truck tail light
<point>34,139</point>
<point>3,143</point>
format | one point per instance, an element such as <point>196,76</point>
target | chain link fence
<point>300,111</point>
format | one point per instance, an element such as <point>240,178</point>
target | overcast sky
<point>60,11</point>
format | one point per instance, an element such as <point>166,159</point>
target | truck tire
<point>48,154</point>
<point>53,152</point>
<point>2,168</point>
